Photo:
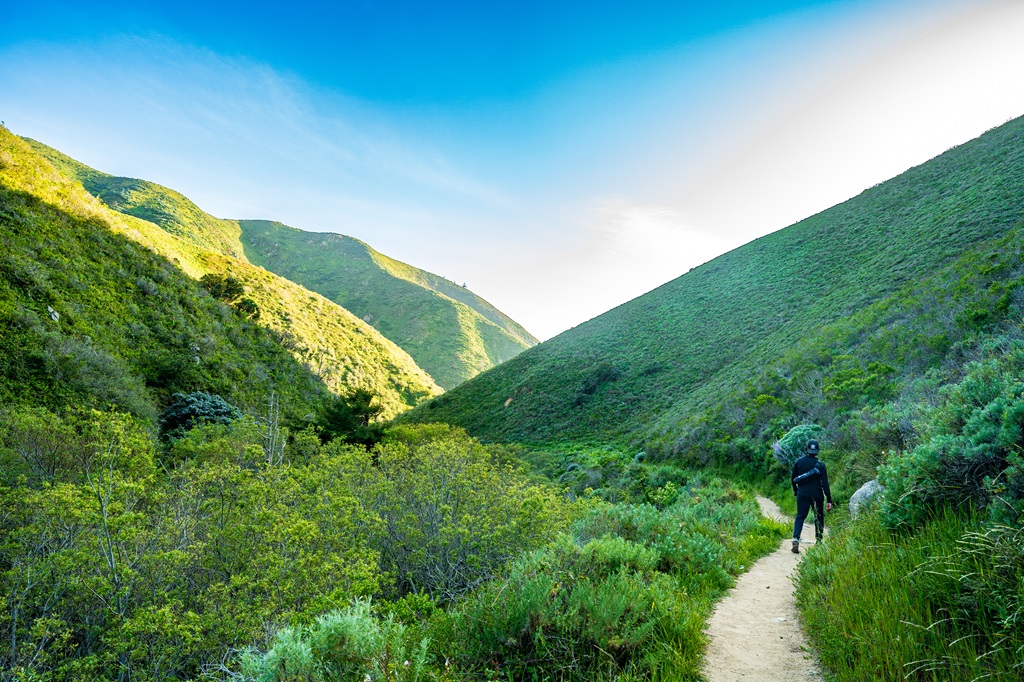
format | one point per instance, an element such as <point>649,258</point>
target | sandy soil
<point>755,631</point>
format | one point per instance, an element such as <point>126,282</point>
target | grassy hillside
<point>159,205</point>
<point>643,371</point>
<point>90,318</point>
<point>338,348</point>
<point>451,332</point>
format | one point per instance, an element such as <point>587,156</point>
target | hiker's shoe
<point>796,546</point>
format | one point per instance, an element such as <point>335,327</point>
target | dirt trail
<point>755,631</point>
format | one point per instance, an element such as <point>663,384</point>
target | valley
<point>234,450</point>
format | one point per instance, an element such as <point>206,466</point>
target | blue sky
<point>558,158</point>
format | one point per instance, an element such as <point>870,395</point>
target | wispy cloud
<point>203,114</point>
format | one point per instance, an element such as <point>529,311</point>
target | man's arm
<point>792,476</point>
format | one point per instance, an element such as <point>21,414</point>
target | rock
<point>863,494</point>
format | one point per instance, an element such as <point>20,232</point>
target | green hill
<point>451,332</point>
<point>147,200</point>
<point>644,371</point>
<point>338,349</point>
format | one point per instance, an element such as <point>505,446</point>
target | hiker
<point>810,485</point>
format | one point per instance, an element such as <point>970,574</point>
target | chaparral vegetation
<point>208,471</point>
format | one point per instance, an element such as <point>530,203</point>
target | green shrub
<point>625,597</point>
<point>793,445</point>
<point>454,516</point>
<point>350,644</point>
<point>972,436</point>
<point>575,613</point>
<point>187,411</point>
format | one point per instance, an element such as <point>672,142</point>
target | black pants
<point>803,505</point>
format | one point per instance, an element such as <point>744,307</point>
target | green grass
<point>889,606</point>
<point>640,372</point>
<point>451,332</point>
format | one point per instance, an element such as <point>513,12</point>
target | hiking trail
<point>755,631</point>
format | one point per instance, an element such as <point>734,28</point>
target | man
<point>810,485</point>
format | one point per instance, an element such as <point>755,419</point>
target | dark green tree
<point>226,288</point>
<point>192,409</point>
<point>350,418</point>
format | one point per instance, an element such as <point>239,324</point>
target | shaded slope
<point>645,367</point>
<point>450,331</point>
<point>337,347</point>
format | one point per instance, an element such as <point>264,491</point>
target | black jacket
<point>814,486</point>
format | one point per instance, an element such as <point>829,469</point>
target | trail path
<point>755,631</point>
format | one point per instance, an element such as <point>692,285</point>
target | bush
<point>225,288</point>
<point>972,437</point>
<point>350,644</point>
<point>625,596</point>
<point>189,410</point>
<point>454,516</point>
<point>574,612</point>
<point>793,445</point>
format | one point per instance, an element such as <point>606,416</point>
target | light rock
<point>863,494</point>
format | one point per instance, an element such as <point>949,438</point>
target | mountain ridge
<point>339,348</point>
<point>450,331</point>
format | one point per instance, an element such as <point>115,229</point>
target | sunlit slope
<point>643,368</point>
<point>330,342</point>
<point>160,205</point>
<point>451,332</point>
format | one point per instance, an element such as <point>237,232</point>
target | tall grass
<point>946,603</point>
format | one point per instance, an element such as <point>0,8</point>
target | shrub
<point>189,410</point>
<point>574,612</point>
<point>625,597</point>
<point>793,445</point>
<point>350,644</point>
<point>225,288</point>
<point>973,436</point>
<point>454,516</point>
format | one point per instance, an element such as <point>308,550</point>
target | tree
<point>226,288</point>
<point>350,418</point>
<point>191,409</point>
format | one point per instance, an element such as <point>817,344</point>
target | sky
<point>558,158</point>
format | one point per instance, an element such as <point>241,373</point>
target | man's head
<point>812,448</point>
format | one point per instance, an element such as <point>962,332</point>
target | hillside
<point>90,318</point>
<point>342,351</point>
<point>164,207</point>
<point>451,332</point>
<point>643,371</point>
